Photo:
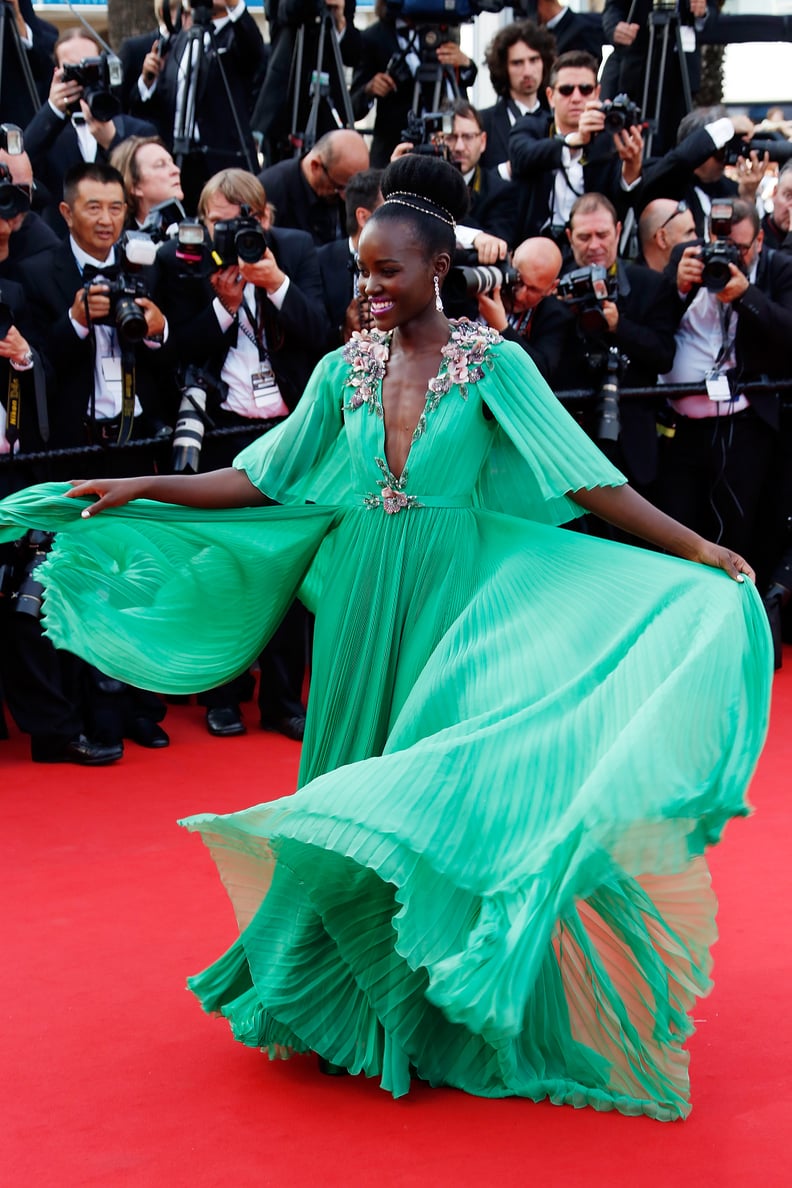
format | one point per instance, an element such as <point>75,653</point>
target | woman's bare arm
<point>626,509</point>
<point>217,488</point>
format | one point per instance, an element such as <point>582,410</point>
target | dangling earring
<point>438,298</point>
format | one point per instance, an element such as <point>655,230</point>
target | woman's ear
<point>441,264</point>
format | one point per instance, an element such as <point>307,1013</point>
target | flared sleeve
<point>306,459</point>
<point>539,454</point>
<point>169,598</point>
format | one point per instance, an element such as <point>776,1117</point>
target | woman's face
<point>159,179</point>
<point>395,275</point>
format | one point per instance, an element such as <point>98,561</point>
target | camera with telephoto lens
<point>779,151</point>
<point>34,548</point>
<point>242,238</point>
<point>196,386</point>
<point>11,140</point>
<point>425,133</point>
<point>620,113</point>
<point>585,291</point>
<point>716,257</point>
<point>14,197</point>
<point>134,251</point>
<point>469,281</point>
<point>96,76</point>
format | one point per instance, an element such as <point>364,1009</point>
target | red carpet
<point>111,1074</point>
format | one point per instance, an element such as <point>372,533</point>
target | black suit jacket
<point>297,333</point>
<point>297,205</point>
<point>133,53</point>
<point>535,155</point>
<point>51,281</point>
<point>53,147</point>
<point>240,48</point>
<point>378,45</point>
<point>494,205</point>
<point>579,31</point>
<point>672,176</point>
<point>337,268</point>
<point>548,337</point>
<point>12,295</point>
<point>648,318</point>
<point>496,123</point>
<point>16,104</point>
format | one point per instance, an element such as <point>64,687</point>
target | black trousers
<point>712,477</point>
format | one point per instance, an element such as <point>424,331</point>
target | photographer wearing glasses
<point>493,200</point>
<point>736,326</point>
<point>664,224</point>
<point>308,194</point>
<point>558,157</point>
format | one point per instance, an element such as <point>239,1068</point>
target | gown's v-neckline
<point>420,425</point>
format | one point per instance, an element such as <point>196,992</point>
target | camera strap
<point>255,334</point>
<point>127,396</point>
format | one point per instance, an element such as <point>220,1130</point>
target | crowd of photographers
<point>176,254</point>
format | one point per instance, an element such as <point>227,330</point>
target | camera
<point>11,140</point>
<point>425,133</point>
<point>162,219</point>
<point>96,76</point>
<point>469,281</point>
<point>136,251</point>
<point>620,113</point>
<point>30,591</point>
<point>196,386</point>
<point>585,290</point>
<point>14,198</point>
<point>398,69</point>
<point>716,257</point>
<point>778,150</point>
<point>242,238</point>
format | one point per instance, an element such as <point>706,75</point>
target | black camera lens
<point>251,244</point>
<point>130,319</point>
<point>103,105</point>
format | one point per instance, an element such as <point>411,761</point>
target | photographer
<point>34,39</point>
<point>493,200</point>
<point>536,320</point>
<point>393,52</point>
<point>23,233</point>
<point>664,224</point>
<point>152,181</point>
<point>86,355</point>
<point>639,320</point>
<point>776,225</point>
<point>65,131</point>
<point>254,329</point>
<point>569,152</point>
<point>273,113</point>
<point>695,171</point>
<point>142,56</point>
<point>518,58</point>
<point>204,86</point>
<point>626,26</point>
<point>736,327</point>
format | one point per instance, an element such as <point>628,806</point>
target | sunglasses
<point>567,89</point>
<point>681,209</point>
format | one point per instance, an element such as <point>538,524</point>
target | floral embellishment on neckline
<point>392,498</point>
<point>462,362</point>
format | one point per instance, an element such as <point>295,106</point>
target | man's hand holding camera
<point>735,287</point>
<point>15,348</point>
<point>64,96</point>
<point>92,304</point>
<point>690,272</point>
<point>630,147</point>
<point>490,249</point>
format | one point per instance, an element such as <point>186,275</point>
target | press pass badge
<point>111,374</point>
<point>264,387</point>
<point>718,386</point>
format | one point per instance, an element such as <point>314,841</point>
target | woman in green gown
<point>520,740</point>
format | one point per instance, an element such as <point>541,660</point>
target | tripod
<point>8,18</point>
<point>321,86</point>
<point>666,20</point>
<point>191,67</point>
<point>433,80</point>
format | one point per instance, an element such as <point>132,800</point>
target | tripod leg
<point>295,80</point>
<point>683,70</point>
<point>316,87</point>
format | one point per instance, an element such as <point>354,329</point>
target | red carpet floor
<point>111,1074</point>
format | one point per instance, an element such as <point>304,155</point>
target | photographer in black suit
<point>639,320</point>
<point>557,157</point>
<point>518,58</point>
<point>256,330</point>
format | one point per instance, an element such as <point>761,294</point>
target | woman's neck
<point>421,335</point>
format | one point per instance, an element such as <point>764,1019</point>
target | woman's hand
<point>110,492</point>
<point>722,558</point>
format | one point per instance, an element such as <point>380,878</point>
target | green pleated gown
<point>520,740</point>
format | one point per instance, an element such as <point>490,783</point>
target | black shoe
<point>79,750</point>
<point>147,733</point>
<point>290,727</point>
<point>225,722</point>
<point>332,1070</point>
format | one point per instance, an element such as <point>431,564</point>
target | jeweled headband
<point>428,207</point>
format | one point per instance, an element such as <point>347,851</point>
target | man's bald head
<point>663,224</point>
<point>335,157</point>
<point>538,261</point>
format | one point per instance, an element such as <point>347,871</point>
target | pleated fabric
<point>520,742</point>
